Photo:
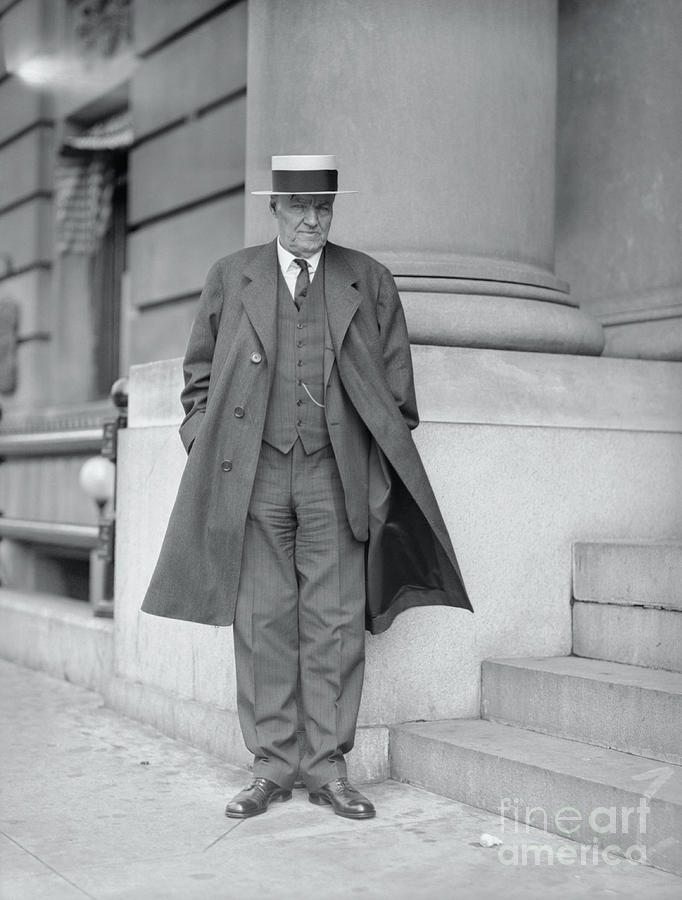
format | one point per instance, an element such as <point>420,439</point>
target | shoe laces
<point>342,784</point>
<point>258,784</point>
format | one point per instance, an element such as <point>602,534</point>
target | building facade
<point>518,170</point>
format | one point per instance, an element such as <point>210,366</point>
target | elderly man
<point>304,514</point>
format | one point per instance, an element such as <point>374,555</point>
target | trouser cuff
<point>284,779</point>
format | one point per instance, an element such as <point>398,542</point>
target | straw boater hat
<point>304,175</point>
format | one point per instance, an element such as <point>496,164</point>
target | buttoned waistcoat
<point>299,370</point>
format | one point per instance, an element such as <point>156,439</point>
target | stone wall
<point>188,103</point>
<point>526,452</point>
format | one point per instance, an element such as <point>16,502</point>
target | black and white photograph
<point>340,449</point>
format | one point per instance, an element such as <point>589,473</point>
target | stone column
<point>442,114</point>
<point>619,185</point>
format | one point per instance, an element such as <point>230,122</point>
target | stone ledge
<point>503,387</point>
<point>154,394</point>
<point>56,635</point>
<point>460,385</point>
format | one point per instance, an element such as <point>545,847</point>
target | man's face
<point>303,221</point>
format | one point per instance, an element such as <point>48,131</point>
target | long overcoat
<point>370,409</point>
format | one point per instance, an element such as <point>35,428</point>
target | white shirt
<point>290,269</point>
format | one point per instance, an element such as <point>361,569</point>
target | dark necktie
<point>302,282</point>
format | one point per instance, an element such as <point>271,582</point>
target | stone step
<point>628,708</point>
<point>599,797</point>
<point>643,573</point>
<point>636,635</point>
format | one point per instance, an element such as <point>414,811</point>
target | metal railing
<point>50,534</point>
<point>51,443</point>
<point>97,541</point>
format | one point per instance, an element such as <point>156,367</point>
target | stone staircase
<point>587,746</point>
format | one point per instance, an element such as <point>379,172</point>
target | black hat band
<point>302,181</point>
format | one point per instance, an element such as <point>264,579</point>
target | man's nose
<point>310,217</point>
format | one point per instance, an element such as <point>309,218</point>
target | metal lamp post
<point>98,478</point>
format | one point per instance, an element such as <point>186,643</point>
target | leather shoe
<point>344,799</point>
<point>255,799</point>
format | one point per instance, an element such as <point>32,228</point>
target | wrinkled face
<point>303,221</point>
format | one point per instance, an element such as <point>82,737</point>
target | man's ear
<point>273,206</point>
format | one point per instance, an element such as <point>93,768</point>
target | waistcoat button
<point>256,357</point>
<point>239,412</point>
<point>226,465</point>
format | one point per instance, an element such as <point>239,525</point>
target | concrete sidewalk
<point>96,805</point>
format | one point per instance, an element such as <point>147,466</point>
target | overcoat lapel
<point>341,296</point>
<point>259,297</point>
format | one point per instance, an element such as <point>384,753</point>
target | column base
<point>500,316</point>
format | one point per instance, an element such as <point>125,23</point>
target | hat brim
<point>291,193</point>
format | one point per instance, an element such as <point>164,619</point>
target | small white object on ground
<point>489,840</point>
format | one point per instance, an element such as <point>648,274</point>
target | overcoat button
<point>256,357</point>
<point>239,412</point>
<point>226,465</point>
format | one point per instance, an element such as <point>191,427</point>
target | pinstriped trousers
<point>299,623</point>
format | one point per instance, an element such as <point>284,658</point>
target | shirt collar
<point>286,260</point>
